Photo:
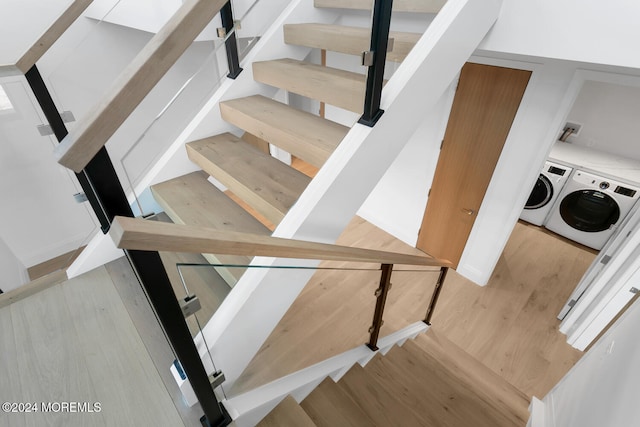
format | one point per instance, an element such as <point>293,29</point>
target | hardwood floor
<point>509,325</point>
<point>75,342</point>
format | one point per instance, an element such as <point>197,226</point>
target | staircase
<point>427,382</point>
<point>272,188</point>
<point>261,182</point>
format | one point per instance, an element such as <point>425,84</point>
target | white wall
<point>602,389</point>
<point>13,271</point>
<point>39,219</point>
<point>608,114</point>
<point>589,31</point>
<point>397,204</point>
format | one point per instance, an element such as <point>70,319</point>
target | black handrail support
<point>436,294</point>
<point>231,43</point>
<point>381,299</point>
<point>108,199</point>
<point>381,22</point>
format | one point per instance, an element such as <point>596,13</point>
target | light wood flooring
<point>510,325</point>
<point>75,342</point>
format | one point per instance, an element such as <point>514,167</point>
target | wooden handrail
<point>53,33</point>
<point>28,58</point>
<point>135,82</point>
<point>140,234</point>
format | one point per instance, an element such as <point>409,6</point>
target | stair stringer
<point>208,121</point>
<point>262,296</point>
<point>249,408</point>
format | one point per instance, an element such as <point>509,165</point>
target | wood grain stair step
<point>377,399</point>
<point>329,406</point>
<point>262,181</point>
<point>349,40</point>
<point>433,393</point>
<point>340,88</point>
<point>417,6</point>
<point>494,392</point>
<point>287,414</point>
<point>190,199</point>
<point>308,137</point>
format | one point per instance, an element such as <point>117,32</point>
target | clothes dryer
<point>545,192</point>
<point>590,207</point>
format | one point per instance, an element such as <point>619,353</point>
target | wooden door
<point>484,106</point>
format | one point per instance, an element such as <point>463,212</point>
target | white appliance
<point>590,207</point>
<point>545,192</point>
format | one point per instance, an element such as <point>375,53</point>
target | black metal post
<point>381,299</point>
<point>153,277</point>
<point>436,294</point>
<point>375,75</point>
<point>231,44</point>
<point>52,115</point>
<point>104,186</point>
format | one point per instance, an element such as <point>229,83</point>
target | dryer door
<point>589,210</point>
<point>541,194</point>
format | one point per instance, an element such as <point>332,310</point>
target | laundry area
<point>588,190</point>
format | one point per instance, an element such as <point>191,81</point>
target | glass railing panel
<point>165,113</point>
<point>252,19</point>
<point>177,99</point>
<point>407,26</point>
<point>85,62</point>
<point>42,224</point>
<point>332,314</point>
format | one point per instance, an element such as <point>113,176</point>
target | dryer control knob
<point>604,185</point>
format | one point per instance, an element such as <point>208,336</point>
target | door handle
<point>468,211</point>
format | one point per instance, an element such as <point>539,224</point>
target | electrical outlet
<point>576,126</point>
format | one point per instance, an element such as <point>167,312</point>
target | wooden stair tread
<point>329,406</point>
<point>190,199</point>
<point>417,6</point>
<point>344,39</point>
<point>309,137</point>
<point>496,392</point>
<point>263,182</point>
<point>434,394</point>
<point>377,399</point>
<point>340,88</point>
<point>287,414</point>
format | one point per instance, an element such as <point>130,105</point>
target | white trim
<point>538,412</point>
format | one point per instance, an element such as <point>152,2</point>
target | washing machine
<point>545,192</point>
<point>590,207</point>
